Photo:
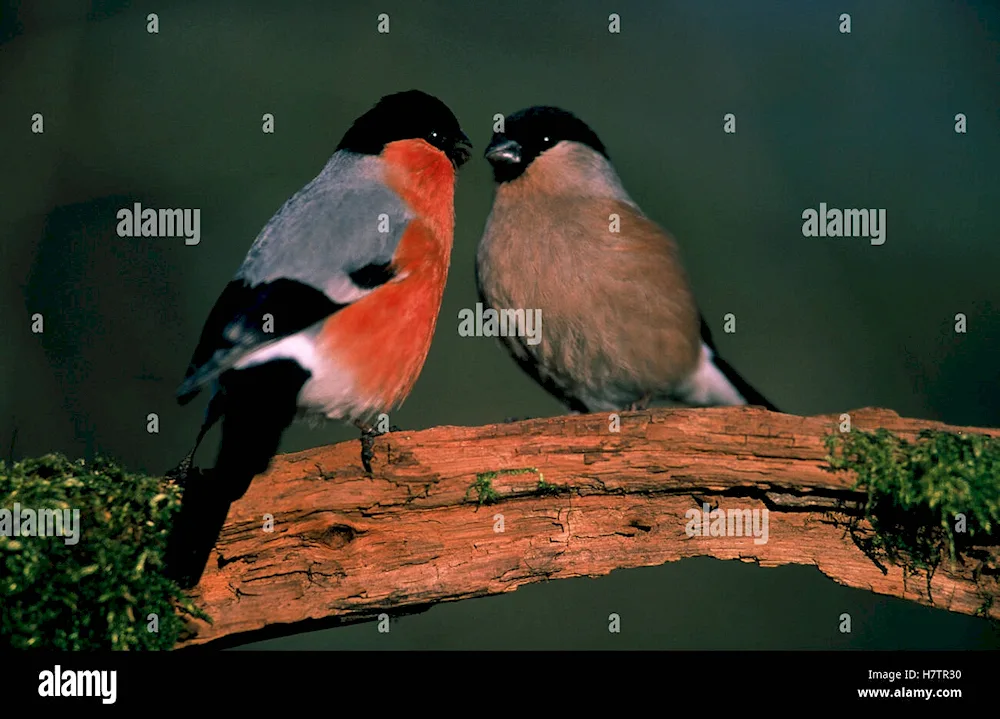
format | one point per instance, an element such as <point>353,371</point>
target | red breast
<point>384,337</point>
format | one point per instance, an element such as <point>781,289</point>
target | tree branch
<point>574,498</point>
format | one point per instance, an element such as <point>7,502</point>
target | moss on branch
<point>100,589</point>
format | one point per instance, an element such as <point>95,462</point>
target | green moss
<point>484,484</point>
<point>545,489</point>
<point>99,592</point>
<point>484,489</point>
<point>916,492</point>
<point>487,494</point>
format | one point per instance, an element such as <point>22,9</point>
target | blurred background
<point>859,120</point>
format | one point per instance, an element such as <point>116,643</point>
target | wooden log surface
<point>574,498</point>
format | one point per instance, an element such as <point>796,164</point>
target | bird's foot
<point>509,420</point>
<point>640,404</point>
<point>368,435</point>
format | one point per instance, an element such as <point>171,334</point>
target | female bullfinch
<point>621,325</point>
<point>331,314</point>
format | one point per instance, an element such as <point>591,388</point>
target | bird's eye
<point>434,133</point>
<point>545,140</point>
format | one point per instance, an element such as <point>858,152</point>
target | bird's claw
<point>368,435</point>
<point>367,452</point>
<point>640,404</point>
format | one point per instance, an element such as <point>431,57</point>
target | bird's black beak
<point>503,150</point>
<point>461,150</point>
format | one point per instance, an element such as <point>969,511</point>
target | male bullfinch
<point>621,327</point>
<point>331,314</point>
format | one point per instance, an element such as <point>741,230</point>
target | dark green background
<point>824,325</point>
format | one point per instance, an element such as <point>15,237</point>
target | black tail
<point>258,405</point>
<point>195,528</point>
<point>751,395</point>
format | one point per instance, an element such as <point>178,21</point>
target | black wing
<point>236,325</point>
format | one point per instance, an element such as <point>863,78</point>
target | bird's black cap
<point>405,116</point>
<point>530,132</point>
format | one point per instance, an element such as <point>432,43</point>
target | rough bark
<point>347,547</point>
